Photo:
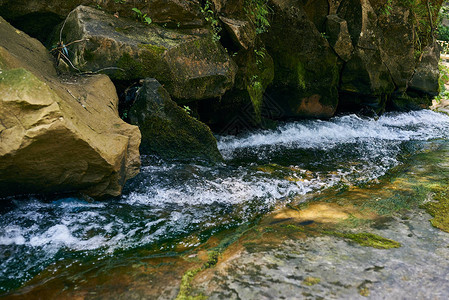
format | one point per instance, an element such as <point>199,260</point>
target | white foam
<point>421,125</point>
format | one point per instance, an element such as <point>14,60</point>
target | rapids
<point>170,200</point>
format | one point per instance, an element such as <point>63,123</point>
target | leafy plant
<point>442,80</point>
<point>258,11</point>
<point>211,18</point>
<point>443,31</point>
<point>144,18</point>
<point>387,8</point>
<point>187,109</point>
<point>260,55</point>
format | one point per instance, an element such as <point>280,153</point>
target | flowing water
<point>176,205</point>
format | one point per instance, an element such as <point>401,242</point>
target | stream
<point>53,246</point>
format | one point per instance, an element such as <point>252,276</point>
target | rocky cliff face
<point>294,58</point>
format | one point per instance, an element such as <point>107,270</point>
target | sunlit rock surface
<point>59,135</point>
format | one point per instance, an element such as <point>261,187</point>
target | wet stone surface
<point>342,269</point>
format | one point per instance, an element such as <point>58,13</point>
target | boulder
<point>189,63</point>
<point>338,37</point>
<point>306,71</point>
<point>241,32</point>
<point>228,8</point>
<point>177,13</point>
<point>59,135</point>
<point>425,78</point>
<point>396,45</point>
<point>168,130</point>
<point>366,80</point>
<point>316,11</point>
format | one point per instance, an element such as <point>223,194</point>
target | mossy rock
<point>172,13</point>
<point>306,70</point>
<point>168,130</point>
<point>404,102</point>
<point>439,210</point>
<point>189,63</point>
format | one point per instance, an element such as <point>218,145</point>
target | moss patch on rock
<point>309,281</point>
<point>367,239</point>
<point>439,210</point>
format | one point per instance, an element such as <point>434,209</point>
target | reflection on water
<point>171,200</point>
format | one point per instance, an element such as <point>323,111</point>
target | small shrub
<point>142,17</point>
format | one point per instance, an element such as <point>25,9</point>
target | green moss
<point>185,289</point>
<point>367,239</point>
<point>19,79</point>
<point>439,210</point>
<point>125,29</point>
<point>255,92</point>
<point>154,49</point>
<point>133,69</point>
<point>298,228</point>
<point>309,281</point>
<point>301,75</point>
<point>137,67</point>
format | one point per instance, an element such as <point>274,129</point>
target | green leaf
<point>148,20</point>
<point>137,11</point>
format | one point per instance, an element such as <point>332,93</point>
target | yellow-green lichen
<point>364,291</point>
<point>367,239</point>
<point>439,210</point>
<point>185,289</point>
<point>154,49</point>
<point>301,75</point>
<point>311,281</point>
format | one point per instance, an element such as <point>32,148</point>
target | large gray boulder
<point>168,130</point>
<point>189,63</point>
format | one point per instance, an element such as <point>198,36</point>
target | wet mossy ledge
<point>438,208</point>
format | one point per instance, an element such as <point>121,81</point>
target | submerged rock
<point>189,63</point>
<point>59,135</point>
<point>168,130</point>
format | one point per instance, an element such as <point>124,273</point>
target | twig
<point>98,71</point>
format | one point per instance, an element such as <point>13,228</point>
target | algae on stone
<point>439,210</point>
<point>367,239</point>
